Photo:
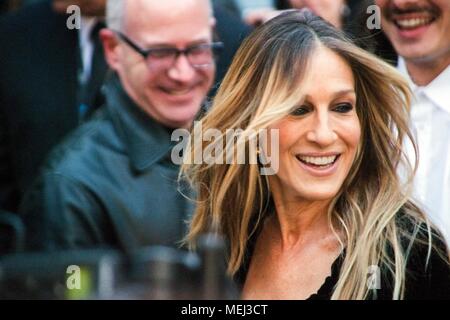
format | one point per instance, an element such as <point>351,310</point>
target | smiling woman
<point>319,139</point>
<point>336,210</point>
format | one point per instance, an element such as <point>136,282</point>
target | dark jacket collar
<point>146,140</point>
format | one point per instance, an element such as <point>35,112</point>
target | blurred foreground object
<point>12,233</point>
<point>153,273</point>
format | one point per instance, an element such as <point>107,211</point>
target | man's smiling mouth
<point>413,21</point>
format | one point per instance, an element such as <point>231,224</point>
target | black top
<point>422,281</point>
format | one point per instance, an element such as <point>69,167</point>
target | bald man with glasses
<point>112,183</point>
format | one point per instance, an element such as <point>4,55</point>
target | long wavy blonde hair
<point>261,88</point>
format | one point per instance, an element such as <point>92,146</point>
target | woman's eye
<point>343,108</point>
<point>300,111</point>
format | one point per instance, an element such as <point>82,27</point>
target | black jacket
<point>39,93</point>
<point>111,183</point>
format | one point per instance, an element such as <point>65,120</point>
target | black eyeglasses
<point>199,56</point>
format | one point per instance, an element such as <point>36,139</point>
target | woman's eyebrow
<point>344,92</point>
<point>336,94</point>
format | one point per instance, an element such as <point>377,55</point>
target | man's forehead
<point>167,10</point>
<point>183,24</point>
<point>166,13</point>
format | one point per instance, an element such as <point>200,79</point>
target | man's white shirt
<point>86,46</point>
<point>430,124</point>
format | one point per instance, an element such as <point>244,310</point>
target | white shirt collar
<point>86,45</point>
<point>438,91</point>
<point>87,24</point>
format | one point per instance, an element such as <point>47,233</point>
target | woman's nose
<point>321,131</point>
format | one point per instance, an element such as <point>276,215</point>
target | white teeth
<point>319,161</point>
<point>413,23</point>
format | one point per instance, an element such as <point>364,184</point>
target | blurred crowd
<point>87,114</point>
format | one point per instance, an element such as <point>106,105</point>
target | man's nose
<point>182,70</point>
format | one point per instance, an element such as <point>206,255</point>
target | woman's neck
<point>298,222</point>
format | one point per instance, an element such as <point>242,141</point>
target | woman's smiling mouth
<point>319,165</point>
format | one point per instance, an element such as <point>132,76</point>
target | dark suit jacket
<point>39,63</point>
<point>3,6</point>
<point>231,31</point>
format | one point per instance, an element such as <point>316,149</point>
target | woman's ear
<point>111,47</point>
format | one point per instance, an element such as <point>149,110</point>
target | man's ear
<point>212,25</point>
<point>212,22</point>
<point>111,47</point>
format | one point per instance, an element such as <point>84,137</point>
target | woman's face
<point>319,139</point>
<point>330,10</point>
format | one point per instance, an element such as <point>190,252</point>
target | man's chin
<point>181,123</point>
<point>417,53</point>
<point>180,116</point>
